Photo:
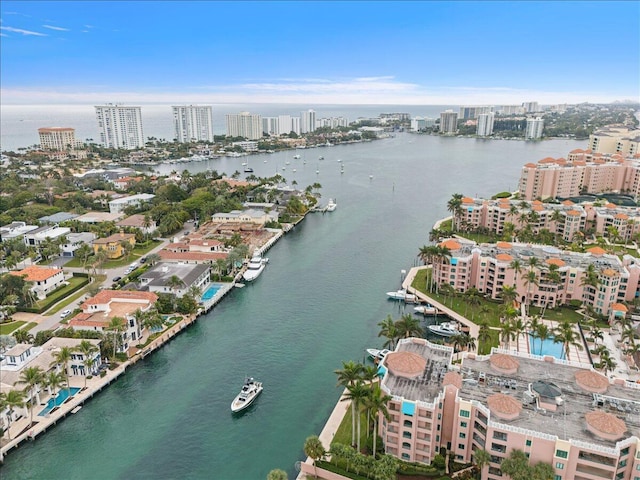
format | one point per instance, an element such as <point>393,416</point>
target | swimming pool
<point>211,291</point>
<point>59,400</point>
<point>548,347</point>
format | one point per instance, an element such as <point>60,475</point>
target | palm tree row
<point>393,330</point>
<point>365,395</point>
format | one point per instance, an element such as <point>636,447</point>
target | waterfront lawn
<point>74,283</point>
<point>10,327</point>
<point>343,434</point>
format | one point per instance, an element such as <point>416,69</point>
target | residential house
<point>15,230</point>
<point>36,237</point>
<point>94,218</point>
<point>113,244</point>
<point>43,279</point>
<point>75,241</point>
<point>119,204</point>
<point>138,221</point>
<point>98,311</point>
<point>257,217</point>
<point>159,278</point>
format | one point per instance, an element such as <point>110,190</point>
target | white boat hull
<point>244,401</point>
<point>426,310</point>
<point>251,274</point>
<point>402,295</point>
<point>444,330</point>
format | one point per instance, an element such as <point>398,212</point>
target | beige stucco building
<point>615,139</point>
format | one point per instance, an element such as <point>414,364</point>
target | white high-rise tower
<point>307,121</point>
<point>193,123</point>
<point>120,126</point>
<point>485,124</point>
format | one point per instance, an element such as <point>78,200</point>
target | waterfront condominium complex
<point>531,107</point>
<point>615,139</point>
<point>581,171</point>
<point>193,123</point>
<point>244,125</point>
<point>534,128</point>
<point>120,126</point>
<point>57,138</point>
<point>307,121</point>
<point>469,113</point>
<point>485,124</point>
<point>448,121</point>
<point>559,412</point>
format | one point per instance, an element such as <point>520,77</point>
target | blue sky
<point>319,52</point>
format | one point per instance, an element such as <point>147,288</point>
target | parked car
<point>143,259</point>
<point>65,313</point>
<point>117,279</point>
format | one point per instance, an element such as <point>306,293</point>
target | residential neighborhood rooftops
<point>57,217</point>
<point>106,296</point>
<point>98,217</point>
<point>33,273</point>
<point>161,274</point>
<point>116,237</point>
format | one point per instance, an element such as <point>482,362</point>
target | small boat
<point>377,355</point>
<point>339,160</point>
<point>255,268</point>
<point>401,295</point>
<point>296,157</point>
<point>287,163</point>
<point>250,390</point>
<point>294,170</point>
<point>320,157</point>
<point>264,161</point>
<point>426,309</point>
<point>244,164</point>
<point>445,329</point>
<point>248,170</point>
<point>331,206</point>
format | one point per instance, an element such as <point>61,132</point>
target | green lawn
<point>9,328</point>
<point>71,298</point>
<point>29,326</point>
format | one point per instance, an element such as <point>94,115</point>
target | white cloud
<point>3,35</point>
<point>59,29</point>
<point>363,90</point>
<point>23,32</point>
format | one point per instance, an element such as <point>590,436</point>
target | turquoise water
<point>211,291</point>
<point>59,400</point>
<point>549,347</point>
<point>317,304</point>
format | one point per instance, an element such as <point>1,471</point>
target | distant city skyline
<point>318,52</point>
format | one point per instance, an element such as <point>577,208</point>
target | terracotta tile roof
<point>205,243</point>
<point>106,296</point>
<point>610,205</point>
<point>574,213</point>
<point>116,237</point>
<point>547,160</point>
<point>530,165</point>
<point>537,208</point>
<point>85,320</point>
<point>503,245</point>
<point>504,363</point>
<point>591,381</point>
<point>504,406</point>
<point>567,202</point>
<point>556,261</point>
<point>577,150</point>
<point>536,202</point>
<point>622,216</point>
<point>451,244</point>
<point>405,364</point>
<point>452,378</point>
<point>610,272</point>
<point>619,307</point>
<point>605,424</point>
<point>504,257</point>
<point>36,274</point>
<point>467,200</point>
<point>596,251</point>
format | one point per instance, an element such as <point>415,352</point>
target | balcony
<point>594,472</point>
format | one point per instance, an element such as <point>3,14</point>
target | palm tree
<point>566,335</point>
<point>481,458</point>
<point>23,336</point>
<point>277,474</point>
<point>376,403</point>
<point>54,380</point>
<point>519,329</point>
<point>484,335</point>
<point>12,399</point>
<point>356,393</point>
<point>607,364</point>
<point>454,205</point>
<point>507,333</point>
<point>542,332</point>
<point>516,266</point>
<point>32,377</point>
<point>314,449</point>
<point>62,357</point>
<point>88,350</point>
<point>473,300</point>
<point>530,278</point>
<point>509,293</point>
<point>116,325</point>
<point>347,377</point>
<point>409,326</point>
<point>389,331</point>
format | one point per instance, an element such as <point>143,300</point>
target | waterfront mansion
<point>595,278</point>
<point>558,412</point>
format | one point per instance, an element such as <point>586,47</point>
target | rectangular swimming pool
<point>59,400</point>
<point>211,291</point>
<point>548,347</point>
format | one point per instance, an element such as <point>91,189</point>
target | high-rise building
<point>485,124</point>
<point>245,125</point>
<point>531,107</point>
<point>295,125</point>
<point>120,126</point>
<point>615,139</point>
<point>534,128</point>
<point>467,113</point>
<point>193,123</point>
<point>448,121</point>
<point>284,124</point>
<point>307,121</point>
<point>270,125</point>
<point>57,138</point>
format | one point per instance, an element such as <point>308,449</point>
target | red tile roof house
<point>44,279</point>
<point>98,311</point>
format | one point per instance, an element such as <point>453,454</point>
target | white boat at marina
<point>402,295</point>
<point>377,355</point>
<point>320,157</point>
<point>331,206</point>
<point>445,329</point>
<point>296,157</point>
<point>426,309</point>
<point>250,391</point>
<point>255,268</point>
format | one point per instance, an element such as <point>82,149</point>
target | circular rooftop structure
<point>551,250</point>
<point>405,364</point>
<point>605,425</point>
<point>503,363</point>
<point>591,381</point>
<point>452,378</point>
<point>504,406</point>
<point>546,389</point>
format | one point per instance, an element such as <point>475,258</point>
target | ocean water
<point>317,303</point>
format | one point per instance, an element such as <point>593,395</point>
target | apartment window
<point>463,435</point>
<point>557,477</point>
<point>559,465</point>
<point>623,463</point>
<point>463,424</point>
<point>408,423</point>
<point>624,451</point>
<point>405,456</point>
<point>461,446</point>
<point>562,454</point>
<point>406,445</point>
<point>439,416</point>
<point>464,413</point>
<point>528,443</point>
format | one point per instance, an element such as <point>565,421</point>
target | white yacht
<point>250,390</point>
<point>402,295</point>
<point>296,157</point>
<point>255,268</point>
<point>377,355</point>
<point>445,329</point>
<point>331,206</point>
<point>426,309</point>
